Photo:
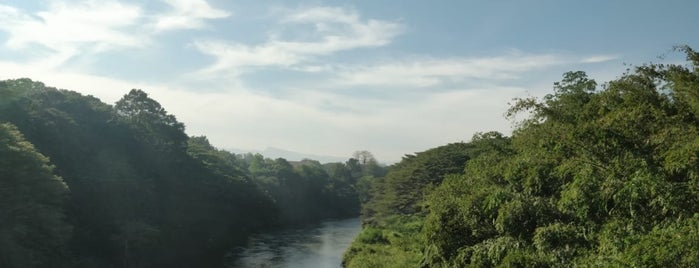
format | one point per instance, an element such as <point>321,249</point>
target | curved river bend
<point>320,245</point>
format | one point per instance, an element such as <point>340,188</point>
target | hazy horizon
<point>333,77</point>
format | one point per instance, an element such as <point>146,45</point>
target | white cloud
<point>69,29</point>
<point>65,25</point>
<point>341,29</point>
<point>231,56</point>
<point>337,30</point>
<point>431,72</point>
<point>187,14</point>
<point>323,14</point>
<point>599,58</point>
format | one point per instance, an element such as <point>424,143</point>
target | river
<point>320,245</point>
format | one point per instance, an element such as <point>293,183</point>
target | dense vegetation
<point>596,176</point>
<point>86,184</point>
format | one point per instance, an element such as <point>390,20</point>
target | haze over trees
<point>86,184</point>
<point>595,176</point>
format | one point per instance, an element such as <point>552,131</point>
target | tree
<point>33,231</point>
<point>155,125</point>
<point>138,106</point>
<point>364,157</point>
<point>592,178</point>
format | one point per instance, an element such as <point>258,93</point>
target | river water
<point>320,245</point>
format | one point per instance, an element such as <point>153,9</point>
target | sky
<point>329,78</point>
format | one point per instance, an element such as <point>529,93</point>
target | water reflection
<point>314,246</point>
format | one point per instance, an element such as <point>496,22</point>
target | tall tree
<point>157,127</point>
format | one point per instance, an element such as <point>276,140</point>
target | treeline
<point>86,184</point>
<point>594,177</point>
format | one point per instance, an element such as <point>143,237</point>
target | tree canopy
<point>595,176</point>
<point>33,230</point>
<point>142,193</point>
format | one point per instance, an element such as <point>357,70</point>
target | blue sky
<point>333,77</point>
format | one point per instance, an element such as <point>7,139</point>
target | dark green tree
<point>33,230</point>
<point>155,126</point>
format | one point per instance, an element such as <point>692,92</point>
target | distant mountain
<point>271,152</point>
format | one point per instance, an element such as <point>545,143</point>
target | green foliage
<point>306,191</point>
<point>393,211</point>
<point>594,177</point>
<point>143,194</point>
<point>33,230</point>
<point>394,243</point>
<point>403,188</point>
<point>488,253</point>
<point>667,245</point>
<point>221,162</point>
<point>153,126</point>
<point>561,242</point>
<point>372,235</point>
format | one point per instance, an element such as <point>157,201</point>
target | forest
<point>593,176</point>
<point>87,184</point>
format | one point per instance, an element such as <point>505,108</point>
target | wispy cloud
<point>66,25</point>
<point>187,14</point>
<point>599,58</point>
<point>431,72</point>
<point>336,29</point>
<point>341,29</point>
<point>70,29</point>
